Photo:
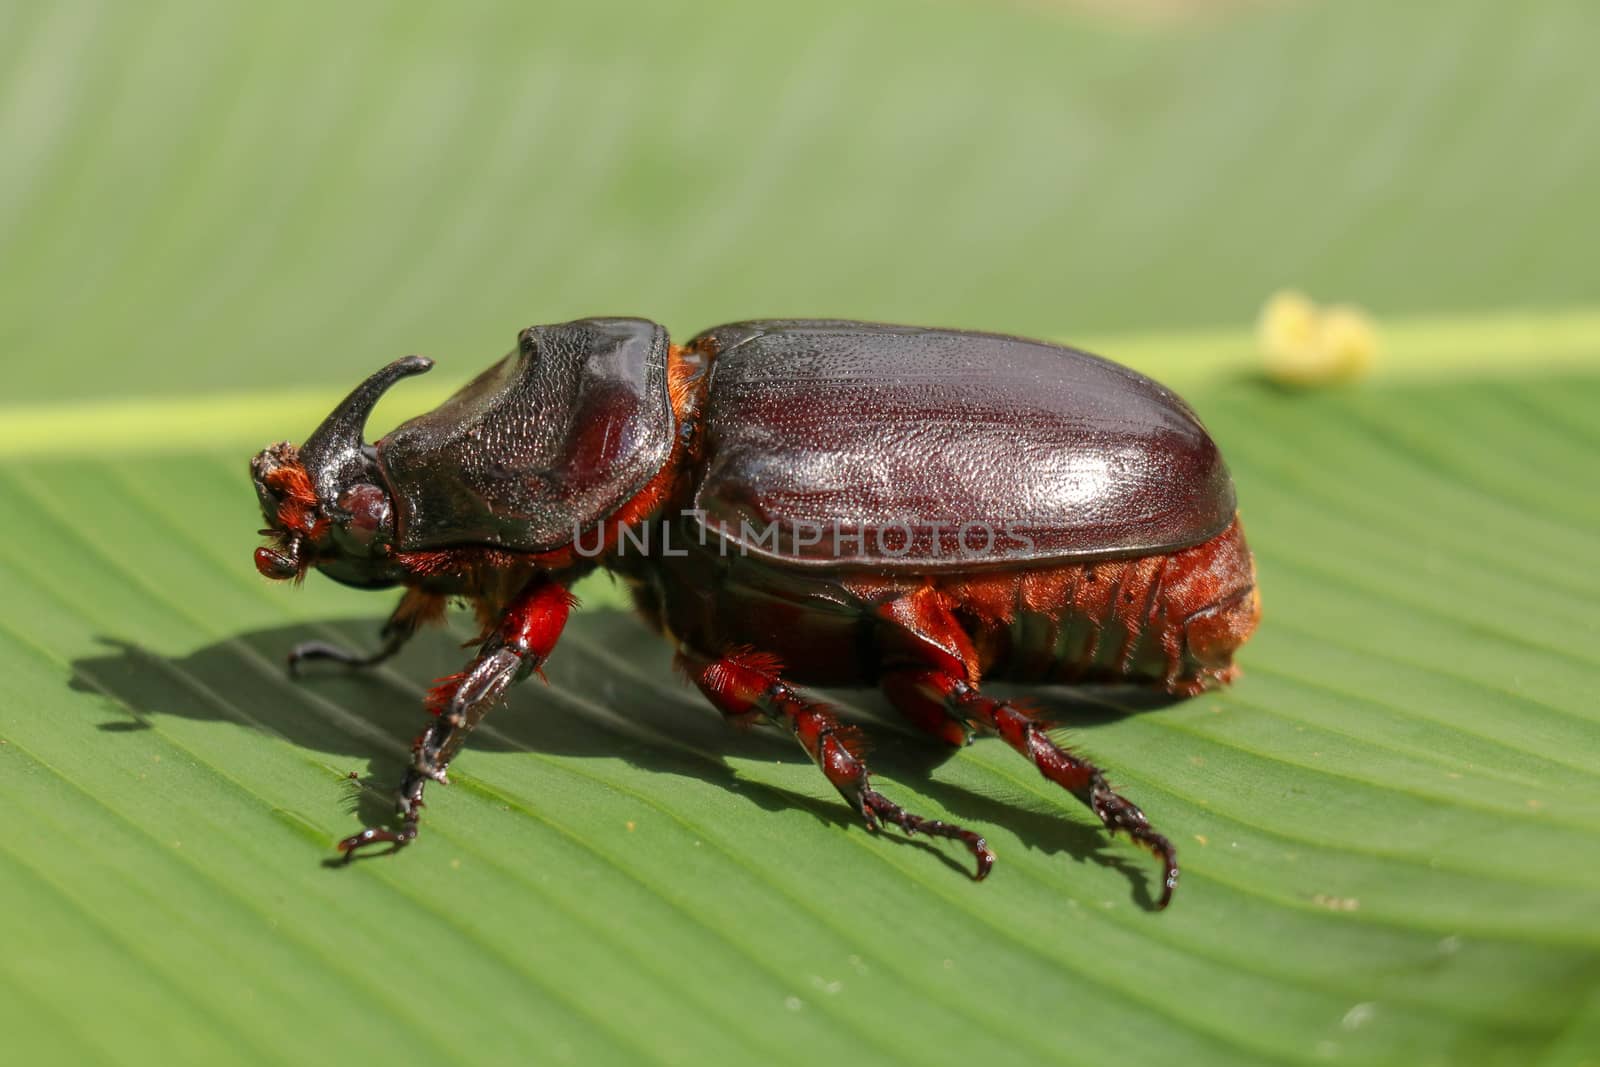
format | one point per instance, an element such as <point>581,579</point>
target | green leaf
<point>214,218</point>
<point>1390,828</point>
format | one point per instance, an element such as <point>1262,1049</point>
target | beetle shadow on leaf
<point>612,694</point>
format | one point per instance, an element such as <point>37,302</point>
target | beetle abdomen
<point>1175,619</point>
<point>840,444</point>
<point>1172,620</point>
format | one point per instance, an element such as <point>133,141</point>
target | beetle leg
<point>922,691</point>
<point>415,608</point>
<point>938,682</point>
<point>518,646</point>
<point>394,639</point>
<point>746,684</point>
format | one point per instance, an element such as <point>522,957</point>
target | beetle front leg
<point>393,636</point>
<point>520,644</point>
<point>414,609</point>
<point>744,685</point>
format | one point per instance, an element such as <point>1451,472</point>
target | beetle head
<point>325,502</point>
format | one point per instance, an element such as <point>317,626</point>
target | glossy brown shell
<point>539,447</point>
<point>902,445</point>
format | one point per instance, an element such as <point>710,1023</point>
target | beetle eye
<point>369,510</point>
<point>527,344</point>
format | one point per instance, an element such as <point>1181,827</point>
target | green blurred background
<point>215,217</point>
<point>198,196</point>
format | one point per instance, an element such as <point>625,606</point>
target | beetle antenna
<point>332,454</point>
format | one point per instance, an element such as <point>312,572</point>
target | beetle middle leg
<point>518,646</point>
<point>933,682</point>
<point>745,685</point>
<point>414,610</point>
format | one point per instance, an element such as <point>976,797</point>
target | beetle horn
<point>332,454</point>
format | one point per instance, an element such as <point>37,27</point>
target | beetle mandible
<point>806,502</point>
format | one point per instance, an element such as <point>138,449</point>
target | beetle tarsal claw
<point>876,806</point>
<point>376,835</point>
<point>1159,847</point>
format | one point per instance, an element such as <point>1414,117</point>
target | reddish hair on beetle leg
<point>443,692</point>
<point>747,657</point>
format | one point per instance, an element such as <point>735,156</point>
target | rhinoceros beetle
<point>792,503</point>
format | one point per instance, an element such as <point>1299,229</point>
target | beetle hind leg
<point>922,691</point>
<point>745,685</point>
<point>935,665</point>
